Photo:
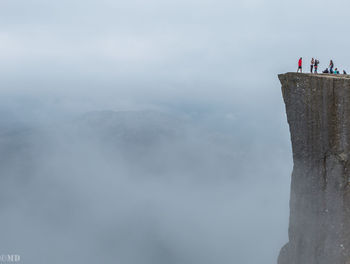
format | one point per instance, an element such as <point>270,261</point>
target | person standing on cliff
<point>300,65</point>
<point>331,65</point>
<point>316,64</point>
<point>312,64</point>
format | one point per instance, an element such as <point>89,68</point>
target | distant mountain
<point>154,142</point>
<point>134,127</point>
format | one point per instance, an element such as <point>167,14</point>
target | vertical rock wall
<point>318,113</point>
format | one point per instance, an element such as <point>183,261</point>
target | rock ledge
<point>318,113</point>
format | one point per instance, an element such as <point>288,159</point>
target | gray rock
<point>318,113</point>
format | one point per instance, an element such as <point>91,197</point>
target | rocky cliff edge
<point>318,113</point>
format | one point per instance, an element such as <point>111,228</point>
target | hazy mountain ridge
<point>147,140</point>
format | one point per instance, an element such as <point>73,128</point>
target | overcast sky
<point>173,46</point>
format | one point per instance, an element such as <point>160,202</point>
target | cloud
<point>125,188</point>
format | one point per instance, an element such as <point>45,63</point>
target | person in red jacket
<point>300,65</point>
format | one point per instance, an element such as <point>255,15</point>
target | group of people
<point>314,67</point>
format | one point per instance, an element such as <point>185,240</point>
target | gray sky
<point>175,42</point>
<point>228,51</point>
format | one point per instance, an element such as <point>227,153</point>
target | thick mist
<point>154,185</point>
<point>151,131</point>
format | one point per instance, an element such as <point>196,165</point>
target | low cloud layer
<point>141,187</point>
<point>151,132</point>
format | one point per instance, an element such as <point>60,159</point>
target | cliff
<point>318,113</point>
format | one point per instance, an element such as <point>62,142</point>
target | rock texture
<point>318,113</point>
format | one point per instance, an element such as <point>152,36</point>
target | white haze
<point>151,131</point>
<point>186,185</point>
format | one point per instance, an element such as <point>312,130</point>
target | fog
<point>166,185</point>
<point>151,131</point>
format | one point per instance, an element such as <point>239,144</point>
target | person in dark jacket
<point>316,64</point>
<point>331,65</point>
<point>325,71</point>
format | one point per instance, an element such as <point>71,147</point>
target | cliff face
<point>318,113</point>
